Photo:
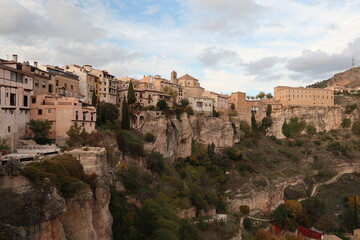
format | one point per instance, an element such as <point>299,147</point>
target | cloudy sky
<point>243,45</point>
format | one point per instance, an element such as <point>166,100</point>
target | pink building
<point>62,112</point>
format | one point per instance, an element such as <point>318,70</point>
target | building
<point>221,102</point>
<point>43,81</point>
<point>146,97</point>
<point>62,112</point>
<point>108,85</point>
<point>300,96</point>
<point>16,88</point>
<point>191,86</point>
<point>66,83</point>
<point>202,105</point>
<point>89,83</point>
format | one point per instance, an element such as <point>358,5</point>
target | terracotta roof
<point>187,77</point>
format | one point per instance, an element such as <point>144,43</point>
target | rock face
<point>30,212</point>
<point>347,79</point>
<point>174,136</point>
<point>322,118</point>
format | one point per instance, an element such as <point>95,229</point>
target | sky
<point>242,45</point>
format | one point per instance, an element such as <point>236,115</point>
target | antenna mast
<point>353,62</point>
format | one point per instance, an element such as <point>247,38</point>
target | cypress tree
<point>131,94</point>
<point>93,98</point>
<point>253,122</point>
<point>125,120</point>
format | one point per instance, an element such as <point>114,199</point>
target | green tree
<point>261,95</point>
<point>254,124</point>
<point>131,94</point>
<point>279,215</point>
<point>184,103</point>
<point>4,145</point>
<point>247,223</point>
<point>356,127</point>
<point>269,110</point>
<point>125,116</point>
<point>40,129</point>
<point>77,136</point>
<point>93,98</point>
<point>155,162</point>
<point>269,95</point>
<point>266,122</point>
<point>107,112</point>
<point>162,105</point>
<point>293,128</point>
<point>346,123</point>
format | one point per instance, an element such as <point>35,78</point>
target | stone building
<point>62,112</point>
<point>202,105</point>
<point>191,86</point>
<point>16,88</point>
<point>146,97</point>
<point>299,96</point>
<point>89,83</point>
<point>43,81</point>
<point>108,84</point>
<point>221,102</point>
<point>66,83</point>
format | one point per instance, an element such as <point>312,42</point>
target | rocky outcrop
<point>322,118</point>
<point>174,136</point>
<point>31,212</point>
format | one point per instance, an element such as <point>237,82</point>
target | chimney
<point>36,64</point>
<point>15,57</point>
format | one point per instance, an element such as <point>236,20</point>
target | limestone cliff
<point>174,136</point>
<point>322,118</point>
<point>30,212</point>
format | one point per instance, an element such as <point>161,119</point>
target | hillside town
<point>69,94</point>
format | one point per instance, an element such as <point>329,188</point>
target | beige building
<point>62,112</point>
<point>66,83</point>
<point>299,96</point>
<point>191,86</point>
<point>87,81</point>
<point>108,84</point>
<point>16,88</point>
<point>202,105</point>
<point>43,81</point>
<point>146,97</point>
<point>221,102</point>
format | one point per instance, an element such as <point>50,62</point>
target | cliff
<point>174,136</point>
<point>322,118</point>
<point>30,212</point>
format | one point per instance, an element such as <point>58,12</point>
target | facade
<point>66,83</point>
<point>108,85</point>
<point>146,97</point>
<point>89,83</point>
<point>299,96</point>
<point>202,105</point>
<point>191,86</point>
<point>44,81</point>
<point>16,88</point>
<point>62,112</point>
<point>221,102</point>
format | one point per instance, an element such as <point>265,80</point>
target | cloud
<point>213,56</point>
<point>225,16</point>
<point>62,20</point>
<point>262,65</point>
<point>152,9</point>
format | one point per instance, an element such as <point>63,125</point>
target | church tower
<point>174,77</point>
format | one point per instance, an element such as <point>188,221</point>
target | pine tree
<point>125,120</point>
<point>131,94</point>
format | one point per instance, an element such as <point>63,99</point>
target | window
<point>39,111</point>
<point>13,76</point>
<point>33,100</point>
<point>57,83</point>
<point>9,129</point>
<point>12,99</point>
<point>49,110</point>
<point>77,115</point>
<point>72,86</point>
<point>36,83</point>
<point>44,84</point>
<point>65,85</point>
<point>26,101</point>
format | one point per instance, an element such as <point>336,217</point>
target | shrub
<point>244,209</point>
<point>246,129</point>
<point>247,223</point>
<point>316,142</point>
<point>266,122</point>
<point>149,137</point>
<point>129,143</point>
<point>350,108</point>
<point>155,162</point>
<point>293,128</point>
<point>162,105</point>
<point>299,142</point>
<point>311,130</point>
<point>356,127</point>
<point>346,123</point>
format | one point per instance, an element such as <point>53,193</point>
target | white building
<point>202,105</point>
<point>221,102</point>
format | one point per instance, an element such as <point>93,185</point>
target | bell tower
<point>174,77</point>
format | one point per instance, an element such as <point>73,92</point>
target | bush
<point>311,130</point>
<point>129,143</point>
<point>246,129</point>
<point>346,123</point>
<point>350,108</point>
<point>247,223</point>
<point>155,162</point>
<point>149,137</point>
<point>266,122</point>
<point>356,127</point>
<point>293,128</point>
<point>244,209</point>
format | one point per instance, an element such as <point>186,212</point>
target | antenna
<point>353,62</point>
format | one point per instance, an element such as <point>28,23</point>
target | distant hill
<point>347,79</point>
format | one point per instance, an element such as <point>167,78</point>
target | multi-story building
<point>16,88</point>
<point>43,81</point>
<point>202,105</point>
<point>146,97</point>
<point>62,112</point>
<point>108,85</point>
<point>89,83</point>
<point>66,83</point>
<point>300,96</point>
<point>221,102</point>
<point>191,86</point>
